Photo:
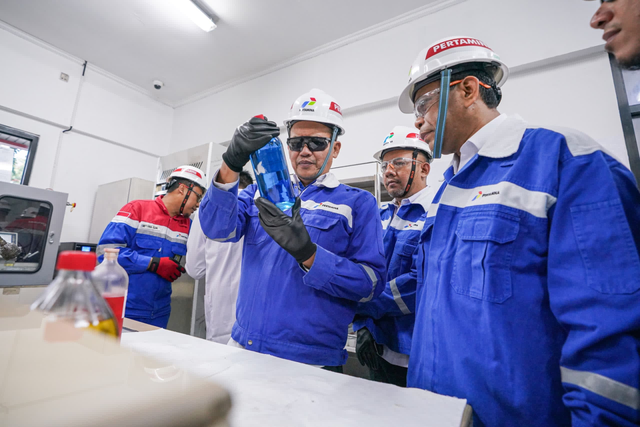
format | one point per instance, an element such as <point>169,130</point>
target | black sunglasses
<point>314,143</point>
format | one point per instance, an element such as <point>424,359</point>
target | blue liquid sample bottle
<point>272,175</point>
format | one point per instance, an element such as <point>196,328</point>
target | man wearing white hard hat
<point>385,324</point>
<point>528,301</point>
<point>303,270</point>
<point>152,238</point>
<point>619,21</point>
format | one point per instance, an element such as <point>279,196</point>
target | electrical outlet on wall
<point>64,77</point>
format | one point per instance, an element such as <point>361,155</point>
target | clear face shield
<point>440,96</point>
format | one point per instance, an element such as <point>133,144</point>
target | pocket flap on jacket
<point>178,249</point>
<point>496,228</point>
<point>322,222</point>
<point>147,242</point>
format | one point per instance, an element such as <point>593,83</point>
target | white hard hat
<point>405,138</point>
<point>190,173</point>
<point>316,106</point>
<point>448,53</point>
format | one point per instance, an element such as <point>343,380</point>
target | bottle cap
<point>76,260</point>
<point>111,254</point>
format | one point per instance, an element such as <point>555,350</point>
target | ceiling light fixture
<point>196,14</point>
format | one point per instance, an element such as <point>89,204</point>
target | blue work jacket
<point>528,301</point>
<point>281,309</point>
<point>390,316</point>
<point>143,229</point>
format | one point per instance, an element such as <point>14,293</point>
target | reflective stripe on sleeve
<point>603,386</point>
<point>224,239</point>
<point>398,298</point>
<point>374,280</point>
<point>126,220</point>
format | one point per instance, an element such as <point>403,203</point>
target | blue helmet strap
<point>326,159</point>
<point>445,80</point>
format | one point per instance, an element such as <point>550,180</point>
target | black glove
<point>288,231</point>
<point>248,138</point>
<point>166,268</point>
<point>367,349</point>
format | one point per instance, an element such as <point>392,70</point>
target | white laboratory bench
<point>268,391</point>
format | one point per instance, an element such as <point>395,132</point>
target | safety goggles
<point>198,196</point>
<point>194,192</point>
<point>423,104</point>
<point>314,143</point>
<point>429,99</point>
<point>397,164</point>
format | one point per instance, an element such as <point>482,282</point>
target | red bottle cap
<point>76,260</point>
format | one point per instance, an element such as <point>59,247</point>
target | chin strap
<point>414,157</point>
<point>334,136</point>
<point>445,79</point>
<point>186,198</point>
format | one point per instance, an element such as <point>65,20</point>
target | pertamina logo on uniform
<point>450,44</point>
<point>480,194</point>
<point>326,205</point>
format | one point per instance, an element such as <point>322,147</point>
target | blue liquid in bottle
<point>272,175</point>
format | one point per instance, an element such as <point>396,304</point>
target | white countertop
<point>268,391</point>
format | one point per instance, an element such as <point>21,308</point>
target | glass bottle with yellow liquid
<point>73,297</point>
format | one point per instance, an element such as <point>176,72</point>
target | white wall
<point>536,38</point>
<point>118,132</point>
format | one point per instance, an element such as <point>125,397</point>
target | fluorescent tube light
<point>193,12</point>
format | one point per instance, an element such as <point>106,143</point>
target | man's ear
<point>425,169</point>
<point>336,148</point>
<point>470,90</point>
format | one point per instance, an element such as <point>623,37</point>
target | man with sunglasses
<point>528,268</point>
<point>303,270</point>
<point>385,324</point>
<point>152,238</point>
<point>620,22</point>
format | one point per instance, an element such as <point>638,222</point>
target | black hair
<point>245,179</point>
<point>428,157</point>
<point>174,183</point>
<point>490,96</point>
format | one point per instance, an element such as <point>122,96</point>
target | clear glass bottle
<point>112,281</point>
<point>272,174</point>
<point>73,297</point>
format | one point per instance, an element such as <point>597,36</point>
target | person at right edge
<point>385,324</point>
<point>528,272</point>
<point>304,270</point>
<point>619,21</point>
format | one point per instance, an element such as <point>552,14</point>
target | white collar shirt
<point>475,143</point>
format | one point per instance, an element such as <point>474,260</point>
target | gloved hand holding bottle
<point>288,231</point>
<point>248,138</point>
<point>166,268</point>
